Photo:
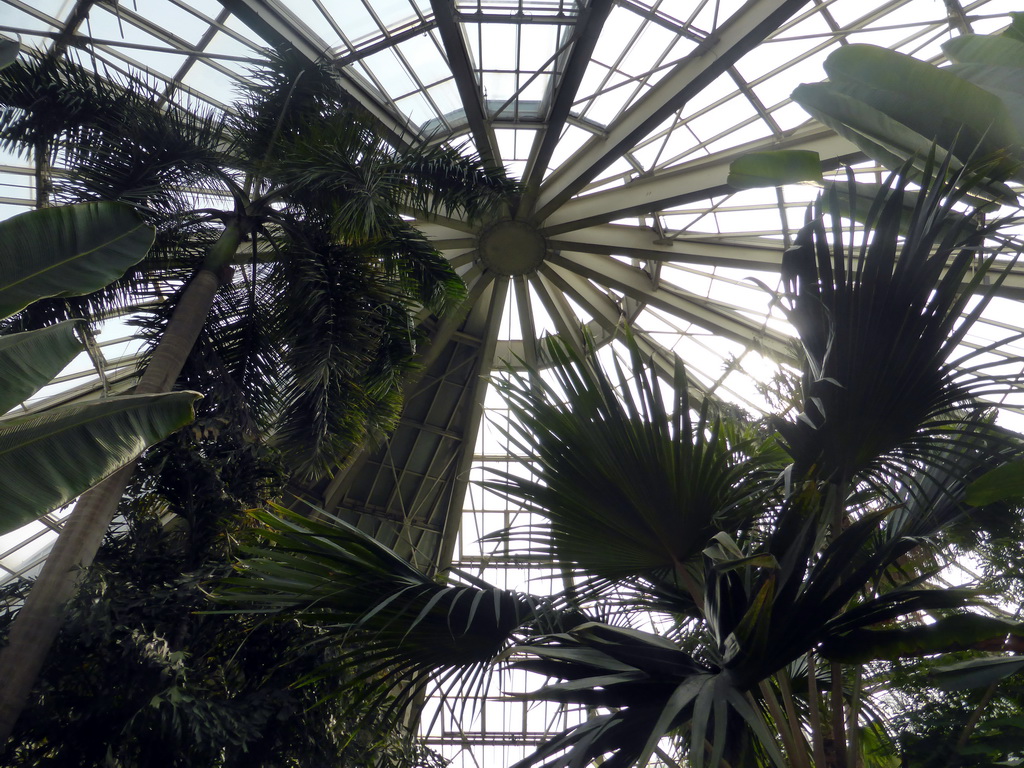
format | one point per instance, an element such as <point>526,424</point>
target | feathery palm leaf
<point>304,188</point>
<point>347,340</point>
<point>117,141</point>
<point>389,623</point>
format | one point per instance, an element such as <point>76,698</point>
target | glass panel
<point>393,13</point>
<point>391,73</point>
<point>182,24</point>
<point>357,23</point>
<point>425,59</point>
<point>537,44</point>
<point>446,96</point>
<point>417,108</point>
<point>212,83</point>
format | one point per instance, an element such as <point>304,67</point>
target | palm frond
<point>628,482</point>
<point>651,690</point>
<point>388,624</point>
<point>280,100</point>
<point>115,136</point>
<point>371,183</point>
<point>347,340</point>
<point>879,323</point>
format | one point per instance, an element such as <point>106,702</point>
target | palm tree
<point>297,194</point>
<point>730,581</point>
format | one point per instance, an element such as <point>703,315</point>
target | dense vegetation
<point>740,594</point>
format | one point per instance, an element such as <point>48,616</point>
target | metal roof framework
<point>621,117</point>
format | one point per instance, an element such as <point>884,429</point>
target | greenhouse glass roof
<point>621,118</point>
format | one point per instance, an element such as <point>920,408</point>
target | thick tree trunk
<point>37,623</point>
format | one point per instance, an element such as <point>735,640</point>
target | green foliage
<point>346,575</point>
<point>879,324</point>
<point>760,169</point>
<point>67,251</point>
<point>145,674</point>
<point>773,595</point>
<point>895,107</point>
<point>975,728</point>
<point>1003,483</point>
<point>629,488</point>
<point>311,338</point>
<point>957,632</point>
<point>30,360</point>
<point>181,688</point>
<point>50,457</point>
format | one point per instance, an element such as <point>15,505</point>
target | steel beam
<point>719,51</point>
<point>471,424</point>
<point>607,314</point>
<point>283,30</point>
<point>588,30</point>
<point>465,80</point>
<point>689,182</point>
<point>714,316</point>
<point>758,254</point>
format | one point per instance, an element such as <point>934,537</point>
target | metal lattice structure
<point>621,117</point>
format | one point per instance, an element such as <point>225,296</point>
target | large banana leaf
<point>999,484</point>
<point>978,673</point>
<point>932,102</point>
<point>49,458</point>
<point>894,106</point>
<point>29,360</point>
<point>994,63</point>
<point>996,50</point>
<point>67,251</point>
<point>775,168</point>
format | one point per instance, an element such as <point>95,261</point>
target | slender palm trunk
<point>42,175</point>
<point>814,711</point>
<point>36,626</point>
<point>836,500</point>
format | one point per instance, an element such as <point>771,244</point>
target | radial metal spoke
<point>588,30</point>
<point>756,254</point>
<point>552,297</point>
<point>689,182</point>
<point>708,314</point>
<point>608,314</point>
<point>471,424</point>
<point>527,326</point>
<point>465,80</point>
<point>741,33</point>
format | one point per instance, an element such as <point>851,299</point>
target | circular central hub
<point>512,248</point>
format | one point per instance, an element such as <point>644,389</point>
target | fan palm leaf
<point>880,324</point>
<point>626,481</point>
